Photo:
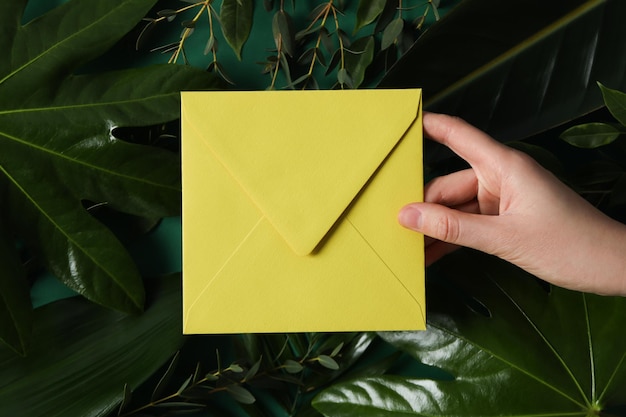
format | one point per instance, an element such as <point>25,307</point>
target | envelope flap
<point>303,156</point>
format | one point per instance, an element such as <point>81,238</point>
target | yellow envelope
<point>290,203</point>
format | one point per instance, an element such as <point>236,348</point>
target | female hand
<point>507,205</point>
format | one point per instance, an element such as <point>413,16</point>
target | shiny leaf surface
<point>520,68</point>
<point>58,148</point>
<point>82,355</point>
<point>513,346</point>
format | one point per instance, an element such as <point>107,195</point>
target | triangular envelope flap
<point>302,156</point>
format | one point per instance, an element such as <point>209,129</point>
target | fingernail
<point>410,217</point>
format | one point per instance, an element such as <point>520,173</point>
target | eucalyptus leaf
<point>328,362</point>
<point>391,33</point>
<point>530,349</point>
<point>236,20</point>
<point>58,148</point>
<point>282,28</point>
<point>517,69</point>
<point>82,355</point>
<point>240,394</point>
<point>292,366</point>
<point>367,12</point>
<point>590,135</point>
<point>356,64</point>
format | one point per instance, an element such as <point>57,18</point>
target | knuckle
<point>448,229</point>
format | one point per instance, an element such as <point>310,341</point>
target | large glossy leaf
<point>58,148</point>
<point>83,355</point>
<point>518,67</point>
<point>15,311</point>
<point>513,346</point>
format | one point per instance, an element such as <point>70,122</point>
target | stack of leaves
<point>59,153</point>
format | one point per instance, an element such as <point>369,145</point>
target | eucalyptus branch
<point>195,392</point>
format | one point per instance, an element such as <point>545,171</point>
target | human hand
<point>507,205</point>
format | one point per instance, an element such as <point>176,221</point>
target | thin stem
<point>342,63</point>
<point>325,11</point>
<point>279,47</point>
<point>187,31</point>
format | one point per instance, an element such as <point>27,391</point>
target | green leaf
<point>515,346</point>
<point>616,103</point>
<point>292,367</point>
<point>165,379</point>
<point>344,78</point>
<point>590,135</point>
<point>236,19</point>
<point>82,355</point>
<point>240,394</point>
<point>15,307</point>
<point>283,31</point>
<point>58,147</point>
<point>367,12</point>
<point>253,370</point>
<point>517,70</point>
<point>328,362</point>
<point>356,64</point>
<point>391,33</point>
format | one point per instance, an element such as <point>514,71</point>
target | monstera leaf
<point>512,345</point>
<point>519,67</point>
<point>58,151</point>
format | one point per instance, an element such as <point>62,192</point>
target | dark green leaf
<point>529,350</point>
<point>336,350</point>
<point>292,366</point>
<point>240,394</point>
<point>590,135</point>
<point>145,34</point>
<point>282,29</point>
<point>167,13</point>
<point>367,12</point>
<point>253,370</point>
<point>184,385</point>
<point>616,103</point>
<point>16,315</point>
<point>210,45</point>
<point>328,362</point>
<point>235,368</point>
<point>344,78</point>
<point>57,144</point>
<point>236,20</point>
<point>517,70</point>
<point>82,355</point>
<point>391,33</point>
<point>356,64</point>
<point>125,399</point>
<point>165,379</point>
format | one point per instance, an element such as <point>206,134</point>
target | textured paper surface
<point>290,203</point>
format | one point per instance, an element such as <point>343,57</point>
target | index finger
<point>468,142</point>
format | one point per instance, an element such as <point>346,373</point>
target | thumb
<point>452,226</point>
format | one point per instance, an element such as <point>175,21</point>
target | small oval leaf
<point>240,394</point>
<point>391,33</point>
<point>292,367</point>
<point>328,362</point>
<point>367,12</point>
<point>590,135</point>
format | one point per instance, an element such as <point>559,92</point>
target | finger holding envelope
<point>472,191</point>
<point>509,206</point>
